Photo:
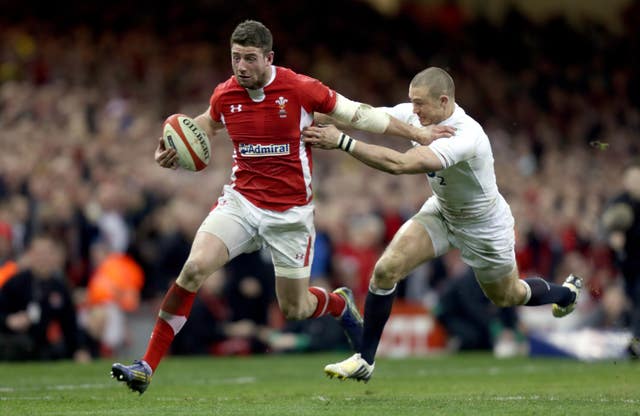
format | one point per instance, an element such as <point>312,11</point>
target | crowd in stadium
<point>81,107</point>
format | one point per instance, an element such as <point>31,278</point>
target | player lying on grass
<point>466,211</point>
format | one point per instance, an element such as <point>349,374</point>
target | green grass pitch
<point>465,384</point>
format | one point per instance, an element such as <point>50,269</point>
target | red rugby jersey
<point>271,165</point>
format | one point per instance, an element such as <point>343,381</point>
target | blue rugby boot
<point>350,320</point>
<point>137,376</point>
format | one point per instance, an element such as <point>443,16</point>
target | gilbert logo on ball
<point>191,143</point>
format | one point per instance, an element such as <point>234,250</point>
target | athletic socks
<point>543,292</point>
<point>328,303</point>
<point>173,314</point>
<point>377,308</point>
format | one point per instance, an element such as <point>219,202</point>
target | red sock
<point>328,303</point>
<point>174,311</point>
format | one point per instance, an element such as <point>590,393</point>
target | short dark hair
<point>437,80</point>
<point>253,33</point>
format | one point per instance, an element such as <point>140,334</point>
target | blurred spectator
<point>249,288</point>
<point>356,257</point>
<point>111,219</point>
<point>323,246</point>
<point>37,314</point>
<point>163,242</point>
<point>323,334</point>
<point>233,312</point>
<point>471,320</point>
<point>8,265</point>
<point>536,319</point>
<point>210,329</point>
<point>621,219</point>
<point>112,293</point>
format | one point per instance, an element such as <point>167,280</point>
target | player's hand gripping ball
<point>190,142</point>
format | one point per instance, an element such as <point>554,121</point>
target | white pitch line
<point>528,368</point>
<point>235,380</point>
<point>28,398</point>
<point>59,387</point>
<point>79,386</point>
<point>550,399</point>
<point>87,386</point>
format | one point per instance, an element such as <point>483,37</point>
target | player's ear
<point>269,57</point>
<point>444,100</point>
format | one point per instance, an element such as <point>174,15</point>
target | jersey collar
<point>457,112</point>
<point>258,94</point>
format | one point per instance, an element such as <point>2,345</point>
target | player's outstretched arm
<point>419,159</point>
<point>423,135</point>
<point>364,117</point>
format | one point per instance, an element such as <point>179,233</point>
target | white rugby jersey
<point>466,187</point>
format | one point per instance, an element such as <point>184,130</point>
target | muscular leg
<point>299,301</point>
<point>504,291</point>
<point>294,298</point>
<point>208,254</point>
<point>510,290</point>
<point>410,247</point>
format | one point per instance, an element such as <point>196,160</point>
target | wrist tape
<point>346,143</point>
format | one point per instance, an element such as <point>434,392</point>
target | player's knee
<point>293,312</point>
<point>387,271</point>
<point>503,299</point>
<point>192,275</point>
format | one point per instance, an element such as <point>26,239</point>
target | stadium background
<point>84,89</point>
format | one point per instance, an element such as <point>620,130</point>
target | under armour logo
<point>299,256</point>
<point>234,108</point>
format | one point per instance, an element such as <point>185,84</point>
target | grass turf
<point>465,384</point>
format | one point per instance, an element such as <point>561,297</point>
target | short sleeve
<point>215,110</point>
<point>454,149</point>
<point>315,96</point>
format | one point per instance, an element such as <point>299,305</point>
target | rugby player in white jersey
<point>466,211</point>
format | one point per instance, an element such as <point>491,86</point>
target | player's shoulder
<point>225,86</point>
<point>225,91</point>
<point>465,124</point>
<point>289,75</point>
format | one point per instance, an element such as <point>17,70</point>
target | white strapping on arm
<point>360,116</point>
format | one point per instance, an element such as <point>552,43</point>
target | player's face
<point>251,67</point>
<point>430,110</point>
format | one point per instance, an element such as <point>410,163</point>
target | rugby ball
<point>181,133</point>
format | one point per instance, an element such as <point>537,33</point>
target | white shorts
<point>486,245</point>
<point>244,228</point>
